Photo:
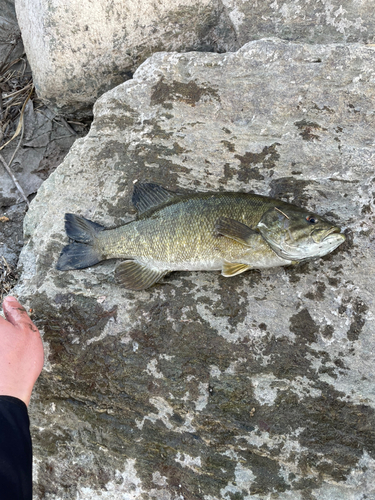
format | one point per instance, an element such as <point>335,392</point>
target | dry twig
<point>20,129</point>
<point>6,166</point>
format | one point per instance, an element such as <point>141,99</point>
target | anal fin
<point>236,230</point>
<point>233,268</point>
<point>136,276</point>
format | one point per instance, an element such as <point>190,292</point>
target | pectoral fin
<point>135,276</point>
<point>233,268</point>
<point>236,230</point>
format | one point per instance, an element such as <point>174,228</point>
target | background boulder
<point>79,49</point>
<point>205,387</point>
<point>31,147</point>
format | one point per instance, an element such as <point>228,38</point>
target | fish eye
<point>311,219</point>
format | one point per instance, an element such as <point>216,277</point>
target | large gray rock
<point>312,22</point>
<point>205,387</point>
<point>79,49</point>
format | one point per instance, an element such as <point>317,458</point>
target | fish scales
<point>182,235</point>
<point>231,232</point>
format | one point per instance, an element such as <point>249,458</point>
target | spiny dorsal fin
<point>135,276</point>
<point>233,268</point>
<point>236,230</point>
<point>147,196</point>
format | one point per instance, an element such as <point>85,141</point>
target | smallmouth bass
<point>231,232</point>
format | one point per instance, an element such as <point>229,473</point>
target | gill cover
<point>297,234</point>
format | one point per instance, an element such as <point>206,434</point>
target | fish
<point>229,232</point>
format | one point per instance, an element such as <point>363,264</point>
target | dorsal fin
<point>147,196</point>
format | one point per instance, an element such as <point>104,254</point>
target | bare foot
<point>21,352</point>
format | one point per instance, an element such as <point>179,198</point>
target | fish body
<point>231,232</point>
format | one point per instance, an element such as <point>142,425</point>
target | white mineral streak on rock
<point>106,331</point>
<point>358,478</point>
<point>244,478</point>
<point>165,411</point>
<point>113,328</point>
<point>265,390</point>
<point>36,465</point>
<point>202,400</point>
<point>159,479</point>
<point>261,438</point>
<point>166,356</point>
<point>235,14</point>
<point>192,463</point>
<point>47,366</point>
<point>126,486</point>
<point>215,372</point>
<point>303,388</point>
<point>186,397</point>
<point>152,369</point>
<point>222,325</point>
<point>287,445</point>
<point>267,387</point>
<point>231,370</point>
<point>336,17</point>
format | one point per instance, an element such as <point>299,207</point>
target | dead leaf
<point>4,219</point>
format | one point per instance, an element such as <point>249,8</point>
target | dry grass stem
<point>20,123</point>
<point>16,88</point>
<point>278,210</point>
<point>18,92</point>
<point>8,278</point>
<point>19,130</point>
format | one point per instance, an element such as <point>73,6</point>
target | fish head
<point>297,234</point>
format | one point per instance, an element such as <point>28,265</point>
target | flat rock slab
<point>207,387</point>
<point>79,49</point>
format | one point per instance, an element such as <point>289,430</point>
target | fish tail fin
<point>80,229</point>
<point>82,252</point>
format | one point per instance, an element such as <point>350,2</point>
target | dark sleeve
<point>15,450</point>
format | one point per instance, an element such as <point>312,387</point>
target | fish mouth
<point>333,230</point>
<point>330,236</point>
